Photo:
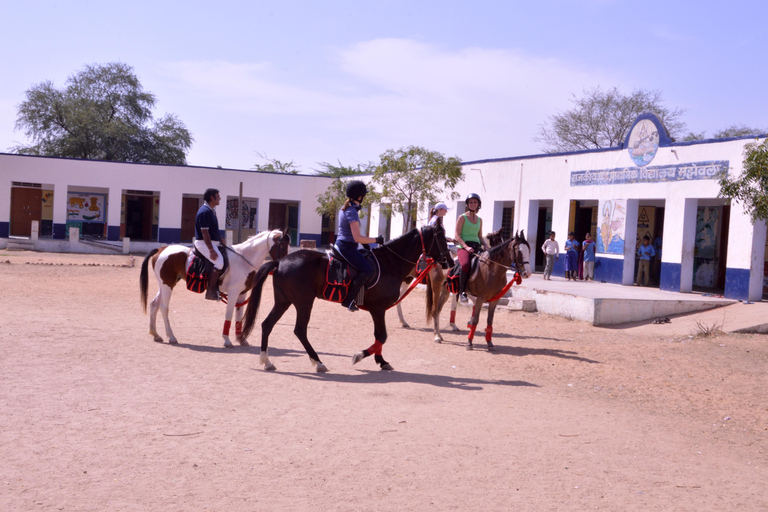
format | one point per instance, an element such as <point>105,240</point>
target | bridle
<point>424,251</point>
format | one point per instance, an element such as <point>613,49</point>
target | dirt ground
<point>564,416</point>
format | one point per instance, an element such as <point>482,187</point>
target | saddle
<point>198,267</point>
<point>453,277</point>
<point>340,273</point>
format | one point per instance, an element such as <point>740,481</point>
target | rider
<point>348,238</point>
<point>469,237</point>
<point>206,233</point>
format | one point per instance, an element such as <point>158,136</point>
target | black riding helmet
<point>473,196</point>
<point>356,189</point>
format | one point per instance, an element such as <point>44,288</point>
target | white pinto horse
<point>170,266</point>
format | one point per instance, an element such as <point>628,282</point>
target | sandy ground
<point>564,416</point>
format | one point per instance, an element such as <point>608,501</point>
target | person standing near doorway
<point>551,252</point>
<point>646,252</point>
<point>571,257</point>
<point>208,239</point>
<point>588,249</point>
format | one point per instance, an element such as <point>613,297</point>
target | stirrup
<point>352,307</point>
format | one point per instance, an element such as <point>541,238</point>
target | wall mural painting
<point>86,207</point>
<point>247,214</point>
<point>610,228</point>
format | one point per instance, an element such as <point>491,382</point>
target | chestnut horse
<point>485,283</point>
<point>299,278</point>
<point>435,288</point>
<point>170,266</point>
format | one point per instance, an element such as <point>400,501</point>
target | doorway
<point>26,206</point>
<point>138,217</point>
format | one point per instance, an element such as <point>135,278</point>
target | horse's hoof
<point>228,344</point>
<point>358,357</point>
<point>438,340</point>
<point>321,368</point>
<point>470,347</point>
<point>387,367</point>
<point>491,348</point>
<point>406,326</point>
<point>173,342</point>
<point>244,343</point>
<point>270,367</point>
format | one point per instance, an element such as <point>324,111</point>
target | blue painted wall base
<point>736,283</point>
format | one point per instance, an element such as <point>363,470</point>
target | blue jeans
<point>350,252</point>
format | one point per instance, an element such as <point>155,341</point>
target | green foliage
<point>738,130</point>
<point>274,165</point>
<point>602,119</point>
<point>102,113</point>
<point>333,198</point>
<point>414,176</point>
<point>751,188</point>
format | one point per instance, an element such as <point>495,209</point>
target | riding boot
<point>349,301</point>
<point>213,285</point>
<point>463,278</point>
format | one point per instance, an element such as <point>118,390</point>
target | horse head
<point>522,254</point>
<point>437,247</point>
<point>280,242</point>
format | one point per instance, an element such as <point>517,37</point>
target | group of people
<point>579,257</point>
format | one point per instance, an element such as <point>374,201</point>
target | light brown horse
<point>438,294</point>
<point>485,283</point>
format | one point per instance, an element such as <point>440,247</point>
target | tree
<point>735,130</point>
<point>333,198</point>
<point>274,165</point>
<point>602,119</point>
<point>751,188</point>
<point>414,176</point>
<point>102,113</point>
<point>738,130</point>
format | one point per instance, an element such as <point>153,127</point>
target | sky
<point>314,82</point>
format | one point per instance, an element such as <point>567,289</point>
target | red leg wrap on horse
<point>453,316</point>
<point>488,333</point>
<point>238,328</point>
<point>375,349</point>
<point>227,325</point>
<point>472,332</point>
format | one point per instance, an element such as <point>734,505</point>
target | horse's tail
<point>144,278</point>
<point>430,302</point>
<point>253,302</point>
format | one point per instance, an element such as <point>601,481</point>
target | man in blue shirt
<point>646,252</point>
<point>207,240</point>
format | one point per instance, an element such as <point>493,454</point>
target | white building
<point>648,187</point>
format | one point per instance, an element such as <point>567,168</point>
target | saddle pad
<point>197,277</point>
<point>337,280</point>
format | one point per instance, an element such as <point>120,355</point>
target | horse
<point>170,266</point>
<point>486,283</point>
<point>299,278</point>
<point>435,288</point>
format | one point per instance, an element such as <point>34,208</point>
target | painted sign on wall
<point>656,174</point>
<point>86,207</point>
<point>610,228</point>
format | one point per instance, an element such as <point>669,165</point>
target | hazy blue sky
<point>328,81</point>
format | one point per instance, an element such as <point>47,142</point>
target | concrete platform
<point>606,304</point>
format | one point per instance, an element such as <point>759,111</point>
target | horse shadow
<point>380,377</point>
<point>251,349</point>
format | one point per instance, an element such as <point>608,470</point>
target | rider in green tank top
<point>469,237</point>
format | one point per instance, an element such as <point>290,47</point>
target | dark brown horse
<point>486,282</point>
<point>299,278</point>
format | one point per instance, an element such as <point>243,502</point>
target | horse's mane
<point>496,252</point>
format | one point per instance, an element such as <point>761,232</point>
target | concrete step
<point>21,245</point>
<point>112,246</point>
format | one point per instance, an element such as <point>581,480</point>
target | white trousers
<point>200,246</point>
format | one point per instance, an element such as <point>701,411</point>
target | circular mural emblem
<point>643,142</point>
